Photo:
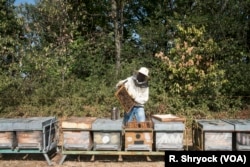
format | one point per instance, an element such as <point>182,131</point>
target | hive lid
<point>168,118</point>
<point>239,124</point>
<point>215,125</point>
<point>78,123</point>
<point>6,124</point>
<point>103,124</point>
<point>32,123</point>
<point>168,126</point>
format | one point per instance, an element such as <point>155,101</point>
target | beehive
<point>212,135</point>
<point>29,135</point>
<point>7,135</point>
<point>36,133</point>
<point>139,140</point>
<point>169,135</point>
<point>7,140</point>
<point>139,135</point>
<point>77,133</point>
<point>30,139</point>
<point>241,135</point>
<point>107,134</point>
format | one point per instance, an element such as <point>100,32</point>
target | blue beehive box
<point>241,133</point>
<point>212,135</point>
<point>107,134</point>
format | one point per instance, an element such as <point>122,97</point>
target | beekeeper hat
<point>144,71</point>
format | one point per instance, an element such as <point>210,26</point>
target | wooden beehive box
<point>139,135</point>
<point>141,139</point>
<point>7,135</point>
<point>84,123</point>
<point>241,135</point>
<point>169,135</point>
<point>124,98</point>
<point>77,140</point>
<point>214,135</point>
<point>77,133</point>
<point>7,140</point>
<point>134,125</point>
<point>30,139</point>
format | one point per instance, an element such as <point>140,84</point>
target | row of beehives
<point>36,133</point>
<point>106,134</point>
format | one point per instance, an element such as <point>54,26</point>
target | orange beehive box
<point>139,139</point>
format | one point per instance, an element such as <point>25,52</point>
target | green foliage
<point>191,70</point>
<point>197,53</point>
<point>10,37</point>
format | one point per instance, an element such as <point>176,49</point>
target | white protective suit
<point>138,91</point>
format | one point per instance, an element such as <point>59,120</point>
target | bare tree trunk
<point>117,15</point>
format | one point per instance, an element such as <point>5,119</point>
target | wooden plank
<point>29,137</point>
<point>168,118</point>
<point>78,123</point>
<point>7,139</point>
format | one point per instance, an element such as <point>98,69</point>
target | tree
<point>11,36</point>
<point>117,16</point>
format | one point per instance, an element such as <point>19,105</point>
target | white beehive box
<point>107,134</point>
<point>241,134</point>
<point>212,135</point>
<point>169,135</point>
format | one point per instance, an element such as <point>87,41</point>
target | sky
<point>18,2</point>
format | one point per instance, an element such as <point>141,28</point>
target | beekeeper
<point>137,87</point>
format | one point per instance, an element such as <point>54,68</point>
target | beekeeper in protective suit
<point>137,88</point>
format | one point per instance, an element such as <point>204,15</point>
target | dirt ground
<point>24,160</point>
